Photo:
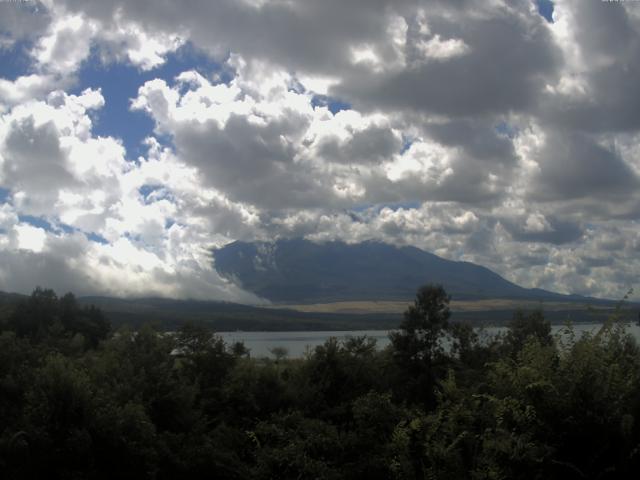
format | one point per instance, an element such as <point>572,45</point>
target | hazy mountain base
<point>168,315</point>
<point>300,271</point>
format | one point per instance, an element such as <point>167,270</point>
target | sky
<point>135,136</point>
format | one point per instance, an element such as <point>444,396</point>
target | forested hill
<point>307,272</point>
<point>170,314</point>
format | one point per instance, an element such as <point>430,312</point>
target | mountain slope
<point>302,271</point>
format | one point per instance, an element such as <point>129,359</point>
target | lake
<point>297,343</point>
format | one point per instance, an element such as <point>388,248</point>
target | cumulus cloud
<point>474,129</point>
<point>83,188</point>
<point>18,22</point>
<point>267,145</point>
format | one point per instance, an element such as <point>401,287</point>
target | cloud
<point>538,228</point>
<point>600,42</point>
<point>474,129</point>
<point>24,88</point>
<point>65,45</point>
<point>574,166</point>
<point>19,22</point>
<point>477,82</point>
<point>479,139</point>
<point>82,188</point>
<point>267,145</point>
<point>72,263</point>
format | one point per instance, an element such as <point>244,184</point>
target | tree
<point>45,316</point>
<point>417,345</point>
<point>88,321</point>
<point>34,316</point>
<point>205,361</point>
<point>279,353</point>
<point>523,326</point>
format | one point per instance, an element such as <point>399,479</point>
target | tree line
<point>78,400</point>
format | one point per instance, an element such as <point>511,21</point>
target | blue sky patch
<point>36,222</point>
<point>15,61</point>
<point>333,104</point>
<point>94,237</point>
<point>4,195</point>
<point>148,192</point>
<point>545,8</point>
<point>409,205</point>
<point>41,222</point>
<point>297,87</point>
<point>406,143</point>
<point>401,205</point>
<point>120,83</point>
<point>503,128</point>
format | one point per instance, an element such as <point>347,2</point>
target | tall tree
<point>417,345</point>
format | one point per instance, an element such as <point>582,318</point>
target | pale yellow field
<point>456,306</point>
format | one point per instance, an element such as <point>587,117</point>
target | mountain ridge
<point>298,270</point>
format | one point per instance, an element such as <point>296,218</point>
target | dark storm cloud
<point>306,35</point>
<point>374,144</point>
<point>611,105</point>
<point>604,30</point>
<point>558,232</point>
<point>479,139</point>
<point>597,262</point>
<point>608,40</point>
<point>489,78</point>
<point>22,20</point>
<point>467,186</point>
<point>34,163</point>
<point>575,166</point>
<point>52,267</point>
<point>251,163</point>
<point>528,261</point>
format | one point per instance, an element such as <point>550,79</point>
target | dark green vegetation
<point>301,271</point>
<point>80,401</point>
<point>166,314</point>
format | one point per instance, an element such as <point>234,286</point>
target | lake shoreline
<point>297,343</point>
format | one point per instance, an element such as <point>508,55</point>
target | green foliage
<point>524,326</point>
<point>45,317</point>
<point>292,446</point>
<point>418,345</point>
<point>440,402</point>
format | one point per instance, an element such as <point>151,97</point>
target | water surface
<point>297,343</point>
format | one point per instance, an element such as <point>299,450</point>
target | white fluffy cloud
<point>476,130</point>
<point>153,243</point>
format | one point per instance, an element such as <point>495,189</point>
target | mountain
<point>301,271</point>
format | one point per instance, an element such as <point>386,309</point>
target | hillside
<point>168,314</point>
<point>290,271</point>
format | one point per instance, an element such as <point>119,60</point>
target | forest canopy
<point>79,400</point>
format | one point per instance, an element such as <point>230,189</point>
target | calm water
<point>297,343</point>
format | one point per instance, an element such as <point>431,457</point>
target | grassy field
<point>487,305</point>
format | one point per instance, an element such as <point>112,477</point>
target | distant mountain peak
<point>302,271</point>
